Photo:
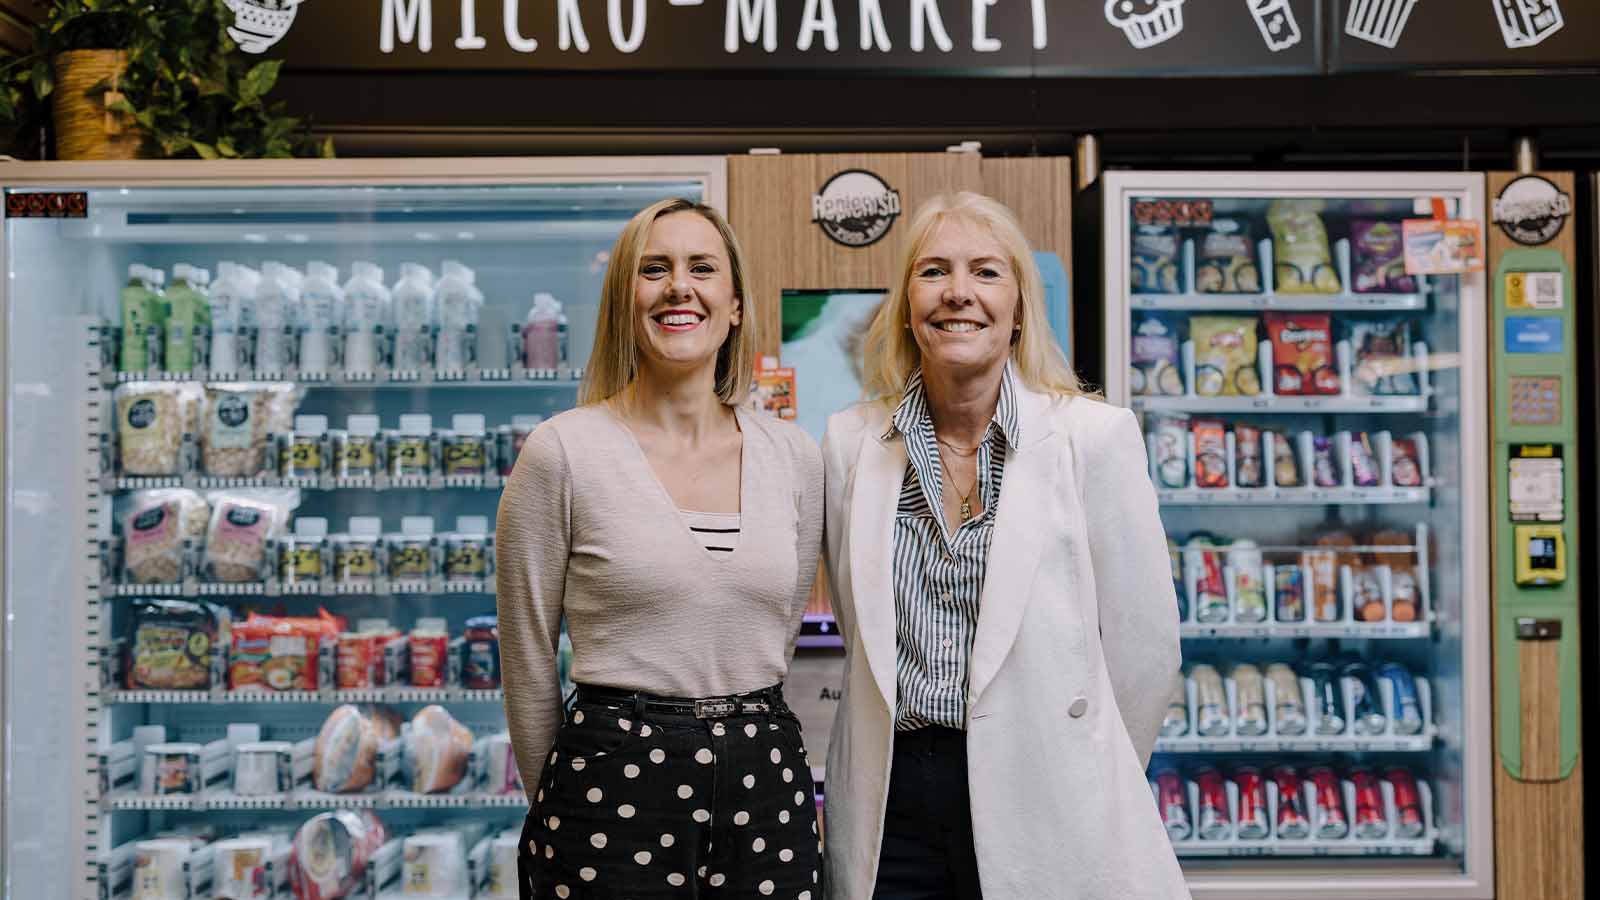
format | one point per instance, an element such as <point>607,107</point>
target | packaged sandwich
<point>1225,356</point>
<point>1302,353</point>
<point>1155,260</point>
<point>1377,259</point>
<point>1381,356</point>
<point>1154,356</point>
<point>1303,263</point>
<point>1226,260</point>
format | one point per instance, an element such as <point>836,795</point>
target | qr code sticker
<point>1544,290</point>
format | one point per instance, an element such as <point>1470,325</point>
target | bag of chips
<point>1155,260</point>
<point>1302,353</point>
<point>1154,357</point>
<point>1225,356</point>
<point>1226,261</point>
<point>1381,351</point>
<point>1377,259</point>
<point>1302,262</point>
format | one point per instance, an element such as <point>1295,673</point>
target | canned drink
<point>1289,708</point>
<point>1409,822</point>
<point>1366,706</point>
<point>1251,692</point>
<point>1252,822</point>
<point>1292,824</point>
<point>1210,587</point>
<point>1173,800</point>
<point>1214,821</point>
<point>1371,823</point>
<point>1328,821</point>
<point>1177,580</point>
<point>1249,594</point>
<point>1407,708</point>
<point>1211,701</point>
<point>1289,593</point>
<point>1324,586</point>
<point>1176,723</point>
<point>1330,698</point>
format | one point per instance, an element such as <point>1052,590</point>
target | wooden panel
<point>1039,190</point>
<point>1539,664</point>
<point>769,205</point>
<point>14,32</point>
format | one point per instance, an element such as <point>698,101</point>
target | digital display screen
<point>1543,552</point>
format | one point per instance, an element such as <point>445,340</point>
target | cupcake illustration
<point>1146,22</point>
<point>258,24</point>
<point>1378,21</point>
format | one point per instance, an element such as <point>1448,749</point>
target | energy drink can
<point>1371,823</point>
<point>1289,708</point>
<point>1210,588</point>
<point>1407,708</point>
<point>1409,822</point>
<point>1211,701</point>
<point>1328,820</point>
<point>1289,593</point>
<point>1292,824</point>
<point>1251,692</point>
<point>1176,723</point>
<point>1366,706</point>
<point>1329,718</point>
<point>1253,824</point>
<point>1249,594</point>
<point>1173,801</point>
<point>1214,821</point>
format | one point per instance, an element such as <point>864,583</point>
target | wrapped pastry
<point>346,752</point>
<point>439,749</point>
<point>330,853</point>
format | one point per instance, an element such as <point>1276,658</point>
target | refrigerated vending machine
<point>256,418</point>
<point>1316,420</point>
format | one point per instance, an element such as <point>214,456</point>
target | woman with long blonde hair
<point>678,534</point>
<point>1000,575</point>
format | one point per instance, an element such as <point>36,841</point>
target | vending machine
<point>1316,418</point>
<point>256,420</point>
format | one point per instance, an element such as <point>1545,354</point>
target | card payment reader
<point>1541,555</point>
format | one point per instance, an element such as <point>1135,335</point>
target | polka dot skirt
<point>672,807</point>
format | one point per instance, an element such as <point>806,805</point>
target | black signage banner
<point>1042,38</point>
<point>902,37</point>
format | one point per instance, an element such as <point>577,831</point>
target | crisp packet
<point>1381,351</point>
<point>1302,263</point>
<point>1154,355</point>
<point>1225,356</point>
<point>1226,260</point>
<point>1155,260</point>
<point>1377,261</point>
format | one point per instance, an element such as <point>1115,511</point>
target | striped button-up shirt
<point>938,573</point>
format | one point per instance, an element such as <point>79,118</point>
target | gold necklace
<point>959,451</point>
<point>966,498</point>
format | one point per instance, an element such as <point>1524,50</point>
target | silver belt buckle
<point>715,709</point>
<point>755,706</point>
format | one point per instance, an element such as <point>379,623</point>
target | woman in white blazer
<point>1002,583</point>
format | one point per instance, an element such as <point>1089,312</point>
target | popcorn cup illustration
<point>258,24</point>
<point>1275,18</point>
<point>1378,21</point>
<point>1524,23</point>
<point>1146,22</point>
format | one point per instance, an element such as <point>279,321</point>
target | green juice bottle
<point>139,313</point>
<point>188,309</point>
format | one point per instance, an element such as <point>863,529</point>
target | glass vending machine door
<point>255,435</point>
<point>1313,415</point>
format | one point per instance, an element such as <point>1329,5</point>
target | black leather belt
<point>767,700</point>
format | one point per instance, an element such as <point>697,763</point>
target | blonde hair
<point>614,362</point>
<point>890,353</point>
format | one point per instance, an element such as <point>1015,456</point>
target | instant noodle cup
<point>1225,356</point>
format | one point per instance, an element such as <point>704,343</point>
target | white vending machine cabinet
<point>1316,422</point>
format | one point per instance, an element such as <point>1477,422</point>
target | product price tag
<point>1535,290</point>
<point>1442,246</point>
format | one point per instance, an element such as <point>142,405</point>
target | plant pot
<point>84,128</point>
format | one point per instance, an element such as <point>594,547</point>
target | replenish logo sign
<point>855,208</point>
<point>1531,210</point>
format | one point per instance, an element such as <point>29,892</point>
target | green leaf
<point>225,148</point>
<point>206,151</point>
<point>44,81</point>
<point>326,151</point>
<point>260,79</point>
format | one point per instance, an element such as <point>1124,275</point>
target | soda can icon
<point>1253,823</point>
<point>1409,822</point>
<point>1407,709</point>
<point>1524,23</point>
<point>1215,822</point>
<point>1275,18</point>
<point>1174,804</point>
<point>1327,814</point>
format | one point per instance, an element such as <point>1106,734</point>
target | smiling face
<point>963,300</point>
<point>684,300</point>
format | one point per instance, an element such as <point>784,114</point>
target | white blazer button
<point>1078,707</point>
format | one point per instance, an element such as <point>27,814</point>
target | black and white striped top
<point>938,574</point>
<point>717,532</point>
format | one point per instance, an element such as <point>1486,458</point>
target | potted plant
<point>152,78</point>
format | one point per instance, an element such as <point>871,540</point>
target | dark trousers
<point>927,830</point>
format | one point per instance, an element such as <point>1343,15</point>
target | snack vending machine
<point>257,419</point>
<point>1315,417</point>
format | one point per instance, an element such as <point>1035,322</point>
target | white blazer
<point>1073,662</point>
